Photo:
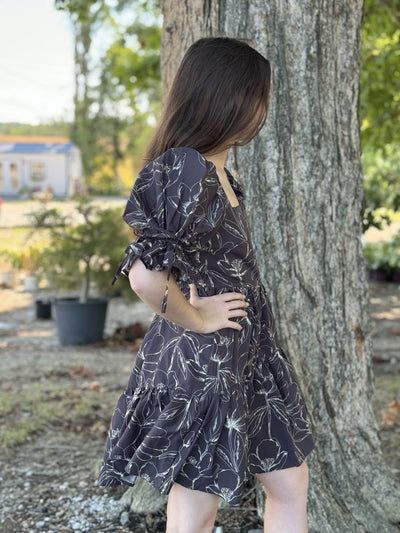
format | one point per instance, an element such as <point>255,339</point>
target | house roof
<point>34,144</point>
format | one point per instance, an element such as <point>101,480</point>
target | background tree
<point>380,75</point>
<point>56,127</point>
<point>85,17</point>
<point>380,110</point>
<point>304,190</point>
<point>117,84</point>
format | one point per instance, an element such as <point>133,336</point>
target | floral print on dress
<point>203,410</point>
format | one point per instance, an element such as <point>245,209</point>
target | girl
<point>212,397</point>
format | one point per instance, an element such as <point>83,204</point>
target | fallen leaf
<point>394,406</point>
<point>391,416</point>
<point>80,371</point>
<point>94,385</point>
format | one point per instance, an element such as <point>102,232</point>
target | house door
<point>14,176</point>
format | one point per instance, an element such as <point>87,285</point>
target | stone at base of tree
<point>124,518</point>
<point>143,498</point>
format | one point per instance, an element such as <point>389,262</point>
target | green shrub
<point>85,247</point>
<point>384,256</point>
<point>381,185</point>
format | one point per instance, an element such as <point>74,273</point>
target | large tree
<point>304,188</point>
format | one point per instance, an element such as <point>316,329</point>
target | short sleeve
<point>174,201</point>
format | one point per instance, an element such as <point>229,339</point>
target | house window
<point>37,172</point>
<point>1,176</point>
<point>14,175</point>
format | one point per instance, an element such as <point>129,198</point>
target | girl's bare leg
<point>190,511</point>
<point>286,505</point>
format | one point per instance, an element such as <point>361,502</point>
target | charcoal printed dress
<point>203,410</point>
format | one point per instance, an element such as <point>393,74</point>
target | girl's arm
<point>202,315</point>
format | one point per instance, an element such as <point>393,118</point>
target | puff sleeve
<point>175,199</point>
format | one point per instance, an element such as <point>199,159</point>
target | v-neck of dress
<point>228,188</point>
<point>232,185</point>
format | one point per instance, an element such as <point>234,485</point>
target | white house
<point>39,163</point>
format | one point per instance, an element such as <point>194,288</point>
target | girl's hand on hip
<point>217,311</point>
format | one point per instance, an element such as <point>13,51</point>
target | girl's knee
<point>290,484</point>
<point>190,511</point>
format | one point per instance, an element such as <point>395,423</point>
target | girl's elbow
<point>137,282</point>
<point>141,279</point>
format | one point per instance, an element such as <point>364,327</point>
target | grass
<point>389,385</point>
<point>68,406</point>
<point>387,390</point>
<point>16,239</point>
<point>13,239</point>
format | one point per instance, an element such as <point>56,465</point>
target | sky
<point>36,62</point>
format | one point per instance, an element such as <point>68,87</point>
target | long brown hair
<point>219,98</point>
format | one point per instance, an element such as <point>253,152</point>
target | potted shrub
<point>373,259</point>
<point>383,259</point>
<point>84,250</point>
<point>43,308</point>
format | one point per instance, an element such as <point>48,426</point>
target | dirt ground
<point>56,402</point>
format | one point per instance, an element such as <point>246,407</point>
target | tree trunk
<point>79,134</point>
<point>304,188</point>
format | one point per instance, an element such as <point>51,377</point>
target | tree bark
<point>304,189</point>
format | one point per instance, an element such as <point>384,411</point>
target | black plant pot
<point>396,276</point>
<point>378,275</point>
<point>43,309</point>
<point>80,323</point>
